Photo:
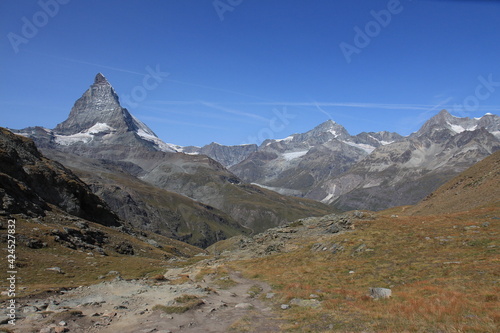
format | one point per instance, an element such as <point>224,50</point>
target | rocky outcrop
<point>30,183</point>
<point>280,239</point>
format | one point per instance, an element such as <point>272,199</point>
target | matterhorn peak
<point>99,104</point>
<point>100,79</point>
<point>98,117</point>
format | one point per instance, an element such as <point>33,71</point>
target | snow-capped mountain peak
<point>331,127</point>
<point>455,125</point>
<point>99,115</point>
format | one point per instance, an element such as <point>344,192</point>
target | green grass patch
<point>254,291</point>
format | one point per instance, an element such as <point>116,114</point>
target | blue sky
<point>252,69</point>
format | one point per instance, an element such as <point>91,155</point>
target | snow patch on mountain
<point>85,136</point>
<point>288,138</point>
<point>99,128</point>
<point>334,132</point>
<point>68,140</point>
<point>459,129</point>
<point>367,148</point>
<point>147,136</point>
<point>486,114</point>
<point>166,147</point>
<point>294,155</point>
<point>143,128</point>
<point>328,198</point>
<point>285,140</point>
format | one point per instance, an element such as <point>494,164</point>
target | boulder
<point>378,293</point>
<point>307,303</point>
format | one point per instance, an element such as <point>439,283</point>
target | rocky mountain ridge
<point>299,163</point>
<point>404,172</point>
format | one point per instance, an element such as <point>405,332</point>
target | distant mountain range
<point>404,172</point>
<point>374,171</point>
<point>204,194</point>
<point>152,185</point>
<point>371,170</point>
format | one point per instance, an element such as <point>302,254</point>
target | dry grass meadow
<point>443,271</point>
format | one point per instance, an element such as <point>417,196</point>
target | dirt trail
<point>127,306</point>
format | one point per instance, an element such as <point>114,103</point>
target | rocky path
<point>129,306</point>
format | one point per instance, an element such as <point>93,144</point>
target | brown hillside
<point>475,187</point>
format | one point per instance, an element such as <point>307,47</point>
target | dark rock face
<point>125,248</point>
<point>29,182</point>
<point>84,239</point>
<point>100,79</point>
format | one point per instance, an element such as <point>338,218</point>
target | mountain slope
<point>30,183</point>
<point>205,180</point>
<point>66,236</point>
<point>148,207</point>
<point>475,187</point>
